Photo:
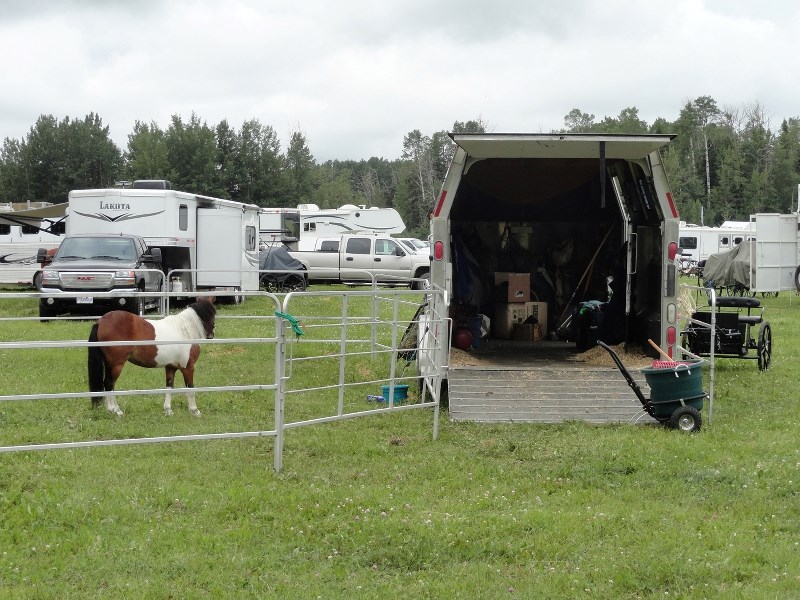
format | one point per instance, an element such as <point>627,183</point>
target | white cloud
<point>356,76</point>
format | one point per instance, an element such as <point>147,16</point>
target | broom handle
<point>660,351</point>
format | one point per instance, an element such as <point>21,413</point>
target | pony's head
<point>207,313</point>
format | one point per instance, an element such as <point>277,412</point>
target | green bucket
<point>400,392</point>
<point>671,385</point>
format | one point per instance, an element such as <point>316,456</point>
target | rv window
<point>183,217</point>
<point>250,238</point>
<point>737,240</point>
<point>309,226</point>
<point>358,245</point>
<point>724,241</point>
<point>5,229</point>
<point>29,229</point>
<point>60,227</point>
<point>688,243</point>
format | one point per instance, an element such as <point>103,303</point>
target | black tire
<point>764,346</point>
<point>138,305</point>
<point>797,279</point>
<point>37,280</point>
<point>45,314</point>
<point>686,418</point>
<point>424,283</point>
<point>293,283</point>
<point>269,283</point>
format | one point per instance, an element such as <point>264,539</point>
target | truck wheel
<point>423,281</point>
<point>45,314</point>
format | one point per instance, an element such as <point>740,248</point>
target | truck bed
<point>544,382</point>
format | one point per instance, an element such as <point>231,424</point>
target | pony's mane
<point>192,320</point>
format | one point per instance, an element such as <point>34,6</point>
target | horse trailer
<point>545,244</point>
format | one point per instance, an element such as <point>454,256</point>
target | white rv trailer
<point>211,243</point>
<point>22,233</point>
<point>698,242</point>
<point>300,227</point>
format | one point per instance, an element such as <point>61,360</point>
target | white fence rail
<point>353,343</point>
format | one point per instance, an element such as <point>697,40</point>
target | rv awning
<point>35,216</point>
<point>553,145</point>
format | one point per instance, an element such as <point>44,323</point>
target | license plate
<point>84,300</point>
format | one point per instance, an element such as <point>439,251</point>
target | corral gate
<point>358,350</point>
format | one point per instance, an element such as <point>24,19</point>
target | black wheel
<point>270,284</point>
<point>138,305</point>
<point>424,282</point>
<point>764,347</point>
<point>37,280</point>
<point>686,418</point>
<point>797,279</point>
<point>45,314</point>
<point>293,283</point>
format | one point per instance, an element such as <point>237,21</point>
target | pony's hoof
<point>168,412</point>
<point>196,412</point>
<point>117,412</point>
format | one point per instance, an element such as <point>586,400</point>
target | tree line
<point>724,164</point>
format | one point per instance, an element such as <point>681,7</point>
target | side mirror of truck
<point>399,252</point>
<point>154,255</point>
<point>41,255</point>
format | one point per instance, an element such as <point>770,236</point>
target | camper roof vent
<point>152,184</point>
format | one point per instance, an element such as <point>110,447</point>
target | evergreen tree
<point>147,153</point>
<point>299,165</point>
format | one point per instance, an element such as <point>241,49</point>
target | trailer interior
<point>587,231</point>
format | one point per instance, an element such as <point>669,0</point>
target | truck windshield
<point>87,248</point>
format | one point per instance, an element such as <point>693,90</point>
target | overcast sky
<point>355,76</point>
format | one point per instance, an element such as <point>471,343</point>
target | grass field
<point>374,508</point>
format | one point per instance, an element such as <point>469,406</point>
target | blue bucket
<point>400,392</point>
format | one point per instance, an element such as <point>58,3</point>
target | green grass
<point>374,508</point>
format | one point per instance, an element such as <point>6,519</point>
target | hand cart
<point>676,391</point>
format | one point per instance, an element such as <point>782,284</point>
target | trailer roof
<point>555,145</point>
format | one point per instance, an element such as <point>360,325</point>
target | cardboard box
<point>527,332</point>
<point>508,315</point>
<point>539,312</point>
<point>519,286</point>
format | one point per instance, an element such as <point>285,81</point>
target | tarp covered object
<point>731,267</point>
<point>277,258</point>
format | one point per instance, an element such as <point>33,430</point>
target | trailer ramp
<point>535,384</point>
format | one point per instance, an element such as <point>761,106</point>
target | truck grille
<point>87,281</point>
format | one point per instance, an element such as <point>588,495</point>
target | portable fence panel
<point>46,355</point>
<point>335,355</point>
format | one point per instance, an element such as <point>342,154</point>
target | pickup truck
<point>356,258</point>
<point>90,263</point>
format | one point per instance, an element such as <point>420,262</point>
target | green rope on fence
<point>295,325</point>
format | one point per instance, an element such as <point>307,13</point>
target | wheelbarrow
<point>676,390</point>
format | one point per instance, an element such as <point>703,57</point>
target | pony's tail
<point>96,366</point>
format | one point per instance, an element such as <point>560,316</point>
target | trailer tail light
<point>672,251</point>
<point>438,250</point>
<point>672,338</point>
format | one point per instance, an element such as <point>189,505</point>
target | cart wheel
<point>764,347</point>
<point>293,283</point>
<point>686,418</point>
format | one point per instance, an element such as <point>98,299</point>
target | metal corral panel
<point>596,395</point>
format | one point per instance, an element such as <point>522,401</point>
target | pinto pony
<point>106,362</point>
